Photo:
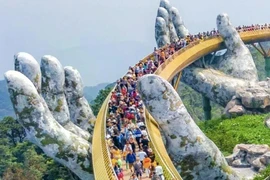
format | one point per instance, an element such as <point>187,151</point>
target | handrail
<point>106,166</point>
<point>100,158</point>
<point>186,56</point>
<point>176,63</point>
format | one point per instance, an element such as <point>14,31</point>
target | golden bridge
<point>171,68</point>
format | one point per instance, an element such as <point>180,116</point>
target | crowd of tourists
<point>126,132</point>
<point>252,27</point>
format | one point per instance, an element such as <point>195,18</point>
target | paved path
<point>127,173</point>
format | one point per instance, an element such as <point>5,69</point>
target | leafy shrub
<point>248,129</point>
<point>263,175</point>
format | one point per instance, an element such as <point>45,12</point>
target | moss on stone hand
<point>184,141</point>
<point>26,112</point>
<point>59,105</point>
<point>226,168</point>
<point>82,114</point>
<point>173,136</point>
<point>150,108</point>
<point>36,78</point>
<point>74,84</point>
<point>187,166</point>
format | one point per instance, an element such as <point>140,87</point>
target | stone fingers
<point>53,84</point>
<point>80,110</point>
<point>178,23</point>
<point>42,129</point>
<point>172,29</point>
<point>237,61</point>
<point>162,37</point>
<point>28,65</point>
<point>194,155</point>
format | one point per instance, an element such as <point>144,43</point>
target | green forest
<point>21,160</point>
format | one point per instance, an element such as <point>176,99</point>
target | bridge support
<point>266,55</point>
<point>206,108</point>
<point>177,80</point>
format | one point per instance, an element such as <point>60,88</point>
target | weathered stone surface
<point>53,80</point>
<point>173,29</point>
<point>221,88</point>
<point>194,155</point>
<point>238,163</point>
<point>256,97</point>
<point>234,108</point>
<point>257,165</point>
<point>265,158</point>
<point>165,4</point>
<point>250,155</point>
<point>237,110</point>
<point>27,64</point>
<point>161,35</point>
<point>215,85</point>
<point>267,121</point>
<point>80,111</point>
<point>178,23</point>
<point>42,129</point>
<point>254,149</point>
<point>238,61</point>
<point>164,11</point>
<point>231,158</point>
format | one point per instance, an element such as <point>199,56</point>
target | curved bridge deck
<point>103,169</point>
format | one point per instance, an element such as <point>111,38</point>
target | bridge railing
<point>245,36</point>
<point>101,157</point>
<point>100,151</point>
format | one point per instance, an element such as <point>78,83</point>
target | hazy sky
<point>101,38</point>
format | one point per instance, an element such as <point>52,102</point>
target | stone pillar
<point>206,108</point>
<point>267,66</point>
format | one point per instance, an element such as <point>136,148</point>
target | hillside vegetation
<point>23,160</point>
<point>226,133</point>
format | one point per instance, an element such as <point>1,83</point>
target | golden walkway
<point>103,169</point>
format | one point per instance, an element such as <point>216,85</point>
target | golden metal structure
<point>179,75</point>
<point>103,169</point>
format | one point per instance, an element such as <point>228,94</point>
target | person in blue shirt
<point>131,158</point>
<point>137,134</point>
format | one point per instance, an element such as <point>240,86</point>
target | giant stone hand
<point>230,81</point>
<point>230,78</point>
<point>49,104</point>
<point>193,154</point>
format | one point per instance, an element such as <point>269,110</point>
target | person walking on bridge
<point>159,171</point>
